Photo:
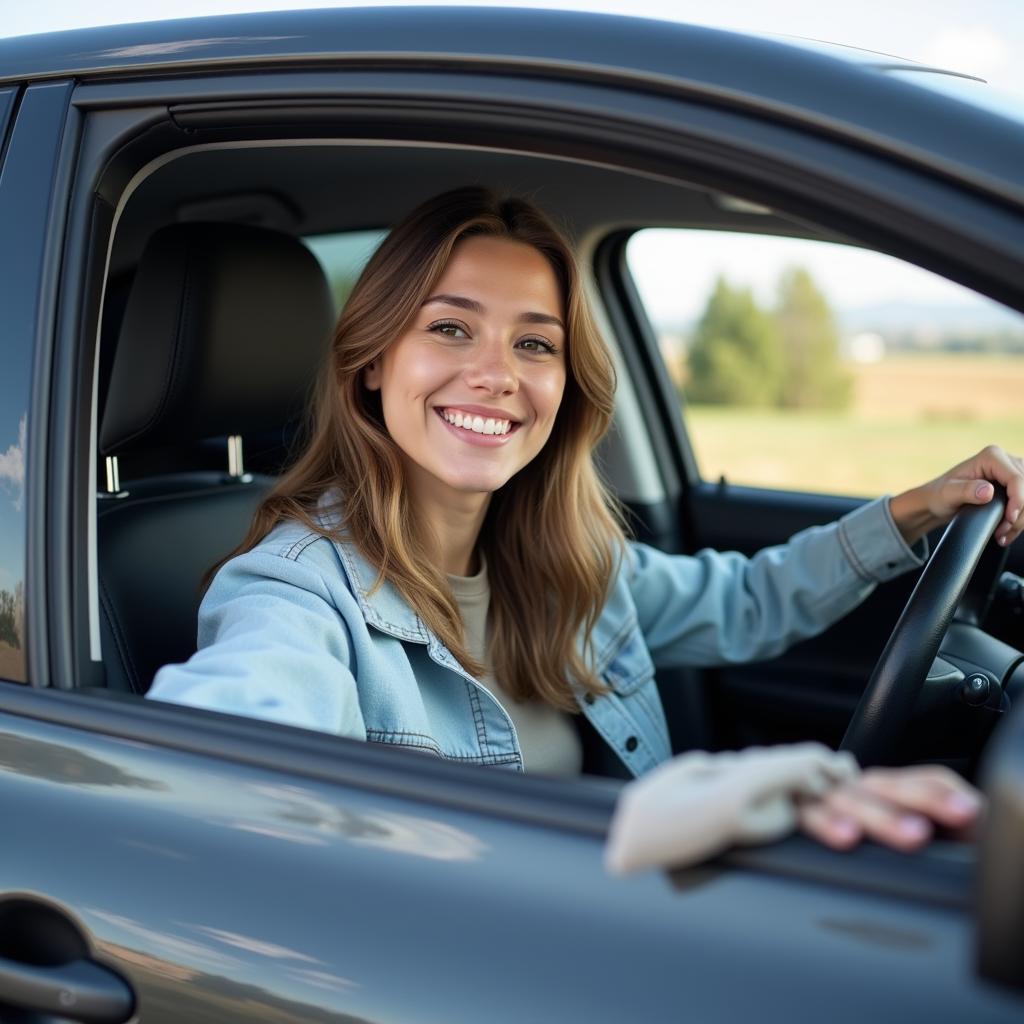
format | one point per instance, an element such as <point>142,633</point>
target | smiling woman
<point>447,500</point>
<point>470,310</point>
<point>472,400</point>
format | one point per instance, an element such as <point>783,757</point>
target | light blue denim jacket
<point>289,632</point>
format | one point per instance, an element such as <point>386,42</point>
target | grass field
<point>912,417</point>
<point>12,663</point>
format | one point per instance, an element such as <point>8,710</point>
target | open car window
<point>342,255</point>
<point>817,366</point>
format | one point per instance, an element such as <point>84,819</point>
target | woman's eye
<point>449,329</point>
<point>538,345</point>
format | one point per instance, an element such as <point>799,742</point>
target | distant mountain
<point>910,323</point>
<point>933,318</point>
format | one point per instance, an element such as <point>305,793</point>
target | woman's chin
<point>476,483</point>
<point>481,487</point>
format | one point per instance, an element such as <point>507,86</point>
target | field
<point>12,663</point>
<point>912,417</point>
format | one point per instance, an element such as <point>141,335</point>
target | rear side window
<point>24,199</point>
<point>13,432</point>
<point>821,367</point>
<point>343,256</point>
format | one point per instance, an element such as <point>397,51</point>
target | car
<point>163,863</point>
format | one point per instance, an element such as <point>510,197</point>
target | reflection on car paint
<point>12,536</point>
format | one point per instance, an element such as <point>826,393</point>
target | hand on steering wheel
<point>888,701</point>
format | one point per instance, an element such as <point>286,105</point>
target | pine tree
<point>735,357</point>
<point>813,373</point>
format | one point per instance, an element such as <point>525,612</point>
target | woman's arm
<point>272,645</point>
<point>719,607</point>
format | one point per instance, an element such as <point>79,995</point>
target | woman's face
<point>471,390</point>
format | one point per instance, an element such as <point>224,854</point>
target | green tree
<point>813,376</point>
<point>735,356</point>
<point>11,611</point>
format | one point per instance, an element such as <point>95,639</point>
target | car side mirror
<point>1000,889</point>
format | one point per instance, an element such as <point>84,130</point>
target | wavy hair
<point>552,535</point>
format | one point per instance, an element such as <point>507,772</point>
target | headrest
<point>224,331</point>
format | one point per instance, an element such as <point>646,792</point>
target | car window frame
<point>132,107</point>
<point>33,192</point>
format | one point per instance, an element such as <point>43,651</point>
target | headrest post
<point>113,475</point>
<point>236,468</point>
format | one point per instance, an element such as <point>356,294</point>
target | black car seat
<point>224,331</point>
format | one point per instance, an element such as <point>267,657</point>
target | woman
<point>443,570</point>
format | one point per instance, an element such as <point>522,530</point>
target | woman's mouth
<point>474,429</point>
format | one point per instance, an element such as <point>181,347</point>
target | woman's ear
<point>371,375</point>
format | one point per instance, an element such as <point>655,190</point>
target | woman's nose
<point>492,368</point>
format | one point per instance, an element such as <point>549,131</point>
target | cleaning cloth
<point>698,804</point>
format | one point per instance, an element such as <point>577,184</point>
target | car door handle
<point>80,991</point>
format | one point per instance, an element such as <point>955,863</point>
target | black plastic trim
<point>661,400</point>
<point>942,875</point>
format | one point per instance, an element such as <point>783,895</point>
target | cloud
<point>976,51</point>
<point>12,464</point>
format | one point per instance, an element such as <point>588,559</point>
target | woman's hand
<point>899,807</point>
<point>924,508</point>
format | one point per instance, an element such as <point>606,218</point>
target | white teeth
<point>477,424</point>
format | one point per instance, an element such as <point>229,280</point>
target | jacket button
<point>588,697</point>
<point>632,743</point>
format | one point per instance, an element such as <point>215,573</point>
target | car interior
<point>215,316</point>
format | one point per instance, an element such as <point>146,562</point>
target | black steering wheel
<point>888,701</point>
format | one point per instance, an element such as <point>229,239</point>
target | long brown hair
<point>552,536</point>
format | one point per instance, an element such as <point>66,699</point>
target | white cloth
<point>697,804</point>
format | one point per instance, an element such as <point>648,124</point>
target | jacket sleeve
<point>716,608</point>
<point>272,645</point>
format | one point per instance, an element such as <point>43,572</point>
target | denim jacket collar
<point>388,611</point>
<point>384,608</point>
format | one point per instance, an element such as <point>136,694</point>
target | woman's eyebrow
<point>477,307</point>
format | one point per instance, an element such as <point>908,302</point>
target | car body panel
<point>222,891</point>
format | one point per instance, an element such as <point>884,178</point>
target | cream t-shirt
<point>548,739</point>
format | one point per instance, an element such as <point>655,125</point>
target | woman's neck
<point>453,521</point>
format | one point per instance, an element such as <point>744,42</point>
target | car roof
<point>222,38</point>
<point>785,80</point>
